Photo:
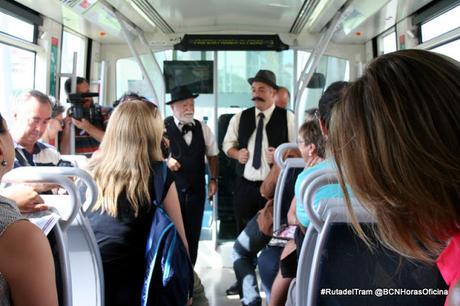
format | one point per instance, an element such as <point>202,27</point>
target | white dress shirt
<point>209,139</point>
<point>231,141</point>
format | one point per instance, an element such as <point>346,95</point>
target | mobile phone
<point>286,232</point>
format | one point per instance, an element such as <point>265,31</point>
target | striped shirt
<point>42,155</point>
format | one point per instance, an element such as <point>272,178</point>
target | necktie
<point>187,128</point>
<point>258,143</point>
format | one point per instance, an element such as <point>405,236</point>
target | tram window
<point>20,65</point>
<point>16,27</point>
<point>333,68</point>
<point>129,77</point>
<point>71,43</point>
<point>444,23</point>
<point>386,42</point>
<point>450,49</point>
<point>389,43</point>
<point>235,67</point>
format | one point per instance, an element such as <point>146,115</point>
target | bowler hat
<point>265,76</point>
<point>181,93</point>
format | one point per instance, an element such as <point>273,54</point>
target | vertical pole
<point>73,89</point>
<point>215,201</point>
<point>315,57</point>
<point>136,56</point>
<point>160,102</point>
<point>294,83</point>
<point>103,82</point>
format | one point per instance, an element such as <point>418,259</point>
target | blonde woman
<point>123,169</point>
<point>396,142</point>
<point>26,264</point>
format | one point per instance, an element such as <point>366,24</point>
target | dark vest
<point>276,128</point>
<point>190,176</point>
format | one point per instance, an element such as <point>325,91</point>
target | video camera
<point>79,112</point>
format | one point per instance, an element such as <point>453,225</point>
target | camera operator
<point>90,127</point>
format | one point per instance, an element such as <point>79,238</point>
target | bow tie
<point>188,127</point>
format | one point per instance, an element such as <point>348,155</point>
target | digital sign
<point>231,43</point>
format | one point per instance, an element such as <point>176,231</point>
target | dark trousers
<point>192,208</point>
<point>268,263</point>
<point>247,201</point>
<point>250,241</point>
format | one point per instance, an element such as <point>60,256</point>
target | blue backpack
<point>168,276</point>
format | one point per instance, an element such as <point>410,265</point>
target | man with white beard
<point>189,141</point>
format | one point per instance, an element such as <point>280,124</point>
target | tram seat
<point>282,201</point>
<point>79,274</point>
<point>333,258</point>
<point>290,168</point>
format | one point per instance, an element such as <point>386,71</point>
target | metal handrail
<point>58,175</point>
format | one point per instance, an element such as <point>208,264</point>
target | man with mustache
<point>189,142</point>
<point>251,139</point>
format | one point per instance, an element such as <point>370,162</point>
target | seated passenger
<point>396,142</point>
<point>310,114</point>
<point>297,215</point>
<point>31,115</point>
<point>55,125</point>
<point>254,238</point>
<point>327,101</point>
<point>123,169</point>
<point>26,264</point>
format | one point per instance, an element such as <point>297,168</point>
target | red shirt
<point>449,262</point>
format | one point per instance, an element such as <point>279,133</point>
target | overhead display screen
<point>197,75</point>
<point>231,43</point>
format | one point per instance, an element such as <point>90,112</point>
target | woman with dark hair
<point>26,264</point>
<point>396,142</point>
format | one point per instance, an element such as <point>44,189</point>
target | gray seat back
<point>338,268</point>
<point>285,174</point>
<point>79,271</point>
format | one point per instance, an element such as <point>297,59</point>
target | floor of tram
<point>215,270</point>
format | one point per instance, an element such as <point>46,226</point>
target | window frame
<point>379,40</point>
<point>84,64</point>
<point>430,12</point>
<point>25,14</point>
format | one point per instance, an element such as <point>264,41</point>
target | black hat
<point>181,93</point>
<point>265,76</point>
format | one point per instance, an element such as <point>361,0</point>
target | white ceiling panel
<point>55,10</point>
<point>272,16</point>
<point>131,14</point>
